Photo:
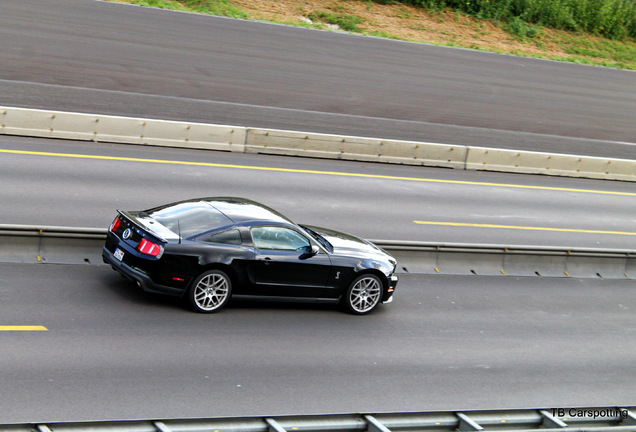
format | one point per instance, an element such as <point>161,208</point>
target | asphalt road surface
<point>56,182</point>
<point>88,56</point>
<point>446,342</point>
<point>474,342</point>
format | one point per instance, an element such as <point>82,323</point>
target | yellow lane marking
<point>303,171</point>
<point>23,328</point>
<point>475,225</point>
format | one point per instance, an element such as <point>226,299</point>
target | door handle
<point>265,260</point>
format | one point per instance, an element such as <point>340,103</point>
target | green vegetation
<point>211,7</point>
<point>345,22</point>
<point>613,19</point>
<point>521,29</point>
<point>617,54</point>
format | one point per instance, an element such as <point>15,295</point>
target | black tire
<point>364,294</point>
<point>210,291</point>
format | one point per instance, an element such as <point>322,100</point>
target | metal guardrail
<point>520,260</point>
<point>52,231</point>
<point>69,245</point>
<point>51,244</point>
<point>405,245</point>
<point>570,419</point>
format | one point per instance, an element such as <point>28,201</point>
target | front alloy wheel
<point>364,294</point>
<point>210,291</point>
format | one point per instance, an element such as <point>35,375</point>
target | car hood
<point>347,244</point>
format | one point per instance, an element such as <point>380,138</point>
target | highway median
<point>245,139</point>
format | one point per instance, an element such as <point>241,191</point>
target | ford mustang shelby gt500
<point>211,249</point>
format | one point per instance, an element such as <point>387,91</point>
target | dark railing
<point>552,419</point>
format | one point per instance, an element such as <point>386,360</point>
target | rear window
<point>190,219</point>
<point>232,237</point>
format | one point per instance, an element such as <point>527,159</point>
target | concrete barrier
<point>491,159</point>
<point>272,141</point>
<point>101,128</point>
<point>26,122</point>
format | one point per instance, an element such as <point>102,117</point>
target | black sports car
<point>211,249</point>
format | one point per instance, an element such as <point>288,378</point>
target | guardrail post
<point>374,425</point>
<point>630,420</point>
<point>274,426</point>
<point>549,421</point>
<point>467,424</point>
<point>161,427</point>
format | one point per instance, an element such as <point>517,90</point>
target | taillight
<point>149,248</point>
<point>115,224</point>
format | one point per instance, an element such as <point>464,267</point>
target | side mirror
<point>310,251</point>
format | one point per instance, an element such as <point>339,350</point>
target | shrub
<point>345,22</point>
<point>522,29</point>
<point>614,19</point>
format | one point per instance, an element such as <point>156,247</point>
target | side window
<point>232,237</point>
<point>278,238</point>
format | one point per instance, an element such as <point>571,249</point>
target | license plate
<point>119,254</point>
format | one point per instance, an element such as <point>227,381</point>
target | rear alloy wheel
<point>210,291</point>
<point>364,294</point>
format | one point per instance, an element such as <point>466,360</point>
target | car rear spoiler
<point>139,223</point>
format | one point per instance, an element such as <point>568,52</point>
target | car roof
<point>200,215</point>
<point>237,210</point>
